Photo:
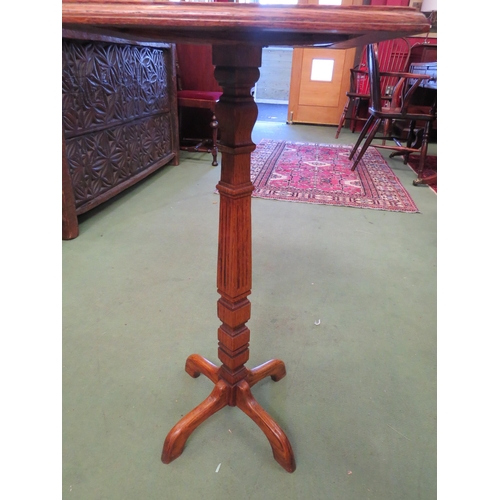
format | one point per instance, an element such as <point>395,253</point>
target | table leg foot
<point>196,365</point>
<point>177,437</point>
<point>282,449</point>
<point>274,368</point>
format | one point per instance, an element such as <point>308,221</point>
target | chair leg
<point>214,124</point>
<point>342,117</point>
<point>421,164</point>
<point>414,141</point>
<point>361,136</point>
<point>387,126</point>
<point>423,149</point>
<point>368,141</point>
<point>354,113</point>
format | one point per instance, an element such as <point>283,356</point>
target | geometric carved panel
<point>116,113</point>
<point>106,84</point>
<point>103,159</point>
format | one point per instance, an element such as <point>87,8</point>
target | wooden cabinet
<point>119,114</point>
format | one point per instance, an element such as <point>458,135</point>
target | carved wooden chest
<point>120,124</point>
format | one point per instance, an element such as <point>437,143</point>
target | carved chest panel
<point>119,115</point>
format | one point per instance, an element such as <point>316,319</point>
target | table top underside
<point>233,23</point>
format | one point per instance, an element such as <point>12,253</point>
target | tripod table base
<point>223,394</point>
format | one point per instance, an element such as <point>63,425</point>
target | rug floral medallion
<point>321,174</point>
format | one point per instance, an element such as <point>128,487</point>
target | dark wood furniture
<point>424,99</point>
<point>393,57</point>
<point>197,96</point>
<point>238,32</point>
<point>399,110</point>
<point>423,60</point>
<point>422,52</point>
<point>119,115</point>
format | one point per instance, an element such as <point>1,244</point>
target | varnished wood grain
<point>197,365</point>
<point>236,72</point>
<point>282,449</point>
<point>234,23</point>
<point>177,437</point>
<point>275,368</point>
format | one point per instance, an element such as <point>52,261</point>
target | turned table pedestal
<point>236,72</point>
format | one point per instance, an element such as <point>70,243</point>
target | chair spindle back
<point>374,76</point>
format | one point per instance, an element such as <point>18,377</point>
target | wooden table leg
<point>236,71</point>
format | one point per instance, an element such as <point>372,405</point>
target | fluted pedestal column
<point>236,71</point>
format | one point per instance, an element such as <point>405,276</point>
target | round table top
<point>234,23</point>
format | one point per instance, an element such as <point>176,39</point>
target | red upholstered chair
<point>197,95</point>
<point>200,100</point>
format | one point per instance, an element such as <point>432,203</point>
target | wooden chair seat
<point>397,114</point>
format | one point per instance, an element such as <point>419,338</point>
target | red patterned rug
<point>429,169</point>
<point>321,174</point>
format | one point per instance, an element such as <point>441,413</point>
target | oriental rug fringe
<point>321,174</point>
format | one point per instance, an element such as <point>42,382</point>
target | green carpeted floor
<point>359,400</point>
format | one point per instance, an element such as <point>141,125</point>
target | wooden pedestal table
<point>237,33</point>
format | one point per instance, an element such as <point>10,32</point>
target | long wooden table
<point>237,33</point>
